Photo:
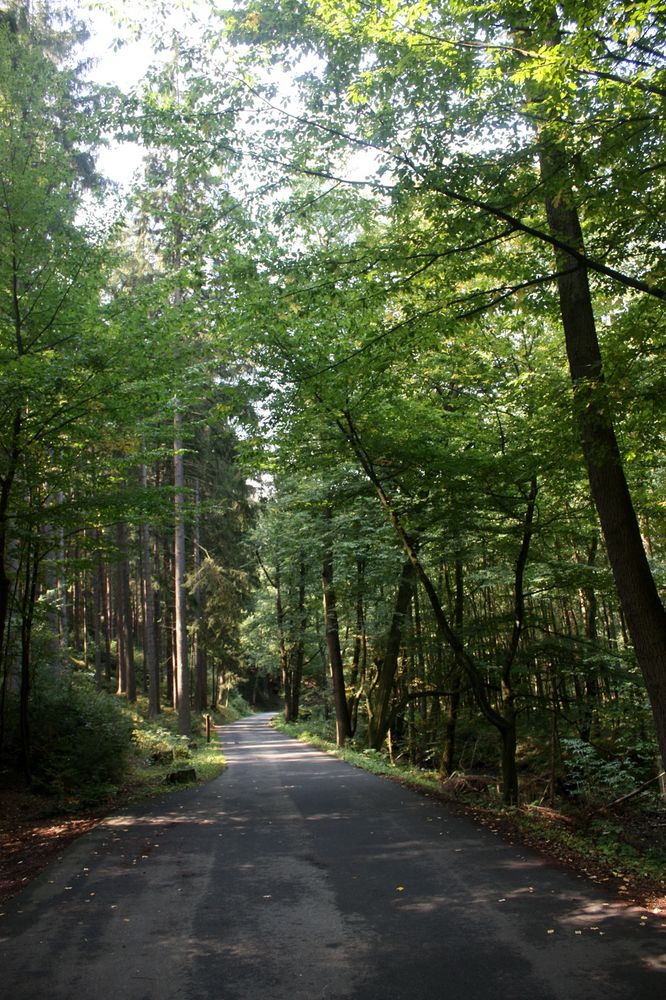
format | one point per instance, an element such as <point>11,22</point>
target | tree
<point>461,107</point>
<point>50,275</point>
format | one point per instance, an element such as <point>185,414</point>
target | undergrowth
<point>158,749</point>
<point>93,750</point>
<point>370,760</point>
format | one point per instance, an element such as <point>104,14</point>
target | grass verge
<point>159,750</point>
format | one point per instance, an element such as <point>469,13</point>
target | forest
<point>352,403</point>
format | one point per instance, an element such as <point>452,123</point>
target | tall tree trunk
<point>108,620</point>
<point>62,586</point>
<point>639,597</point>
<point>359,658</point>
<point>150,660</point>
<point>163,561</point>
<point>14,450</point>
<point>285,667</point>
<point>126,668</point>
<point>180,637</point>
<point>97,613</point>
<point>508,730</point>
<point>200,662</point>
<point>78,622</point>
<point>85,616</point>
<point>381,717</point>
<point>449,752</point>
<point>466,662</point>
<point>299,649</point>
<point>588,601</point>
<point>342,721</point>
<point>28,599</point>
<point>167,617</point>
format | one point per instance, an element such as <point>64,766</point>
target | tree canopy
<point>357,401</point>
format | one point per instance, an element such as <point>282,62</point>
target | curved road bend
<point>296,877</point>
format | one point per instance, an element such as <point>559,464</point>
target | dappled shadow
<point>294,876</point>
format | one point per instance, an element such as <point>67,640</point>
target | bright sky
<point>123,67</point>
<point>121,46</point>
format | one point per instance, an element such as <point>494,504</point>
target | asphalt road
<point>296,877</point>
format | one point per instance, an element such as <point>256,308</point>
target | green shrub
<point>592,778</point>
<point>81,738</point>
<point>154,744</point>
<point>236,708</point>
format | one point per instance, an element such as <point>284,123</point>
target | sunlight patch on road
<point>168,819</point>
<point>657,963</point>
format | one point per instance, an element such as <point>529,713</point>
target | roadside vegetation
<point>94,750</point>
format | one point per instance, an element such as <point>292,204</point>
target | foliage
<point>411,343</point>
<point>82,738</point>
<point>322,736</point>
<point>604,848</point>
<point>365,250</point>
<point>158,748</point>
<point>237,708</point>
<point>591,778</point>
<point>155,744</point>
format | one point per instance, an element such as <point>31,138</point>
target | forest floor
<point>35,829</point>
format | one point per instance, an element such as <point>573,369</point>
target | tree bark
<point>180,638</point>
<point>359,658</point>
<point>448,755</point>
<point>28,600</point>
<point>342,721</point>
<point>285,669</point>
<point>126,669</point>
<point>299,649</point>
<point>380,719</point>
<point>200,661</point>
<point>508,729</point>
<point>639,597</point>
<point>151,664</point>
<point>96,575</point>
<point>108,621</point>
<point>504,721</point>
<point>61,586</point>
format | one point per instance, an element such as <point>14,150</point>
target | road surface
<point>294,876</point>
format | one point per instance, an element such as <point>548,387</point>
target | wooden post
<point>208,729</point>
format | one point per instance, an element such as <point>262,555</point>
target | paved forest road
<point>297,877</point>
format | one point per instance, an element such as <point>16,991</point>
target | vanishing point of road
<point>294,876</point>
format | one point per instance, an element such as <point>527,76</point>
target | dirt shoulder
<point>30,838</point>
<point>35,829</point>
